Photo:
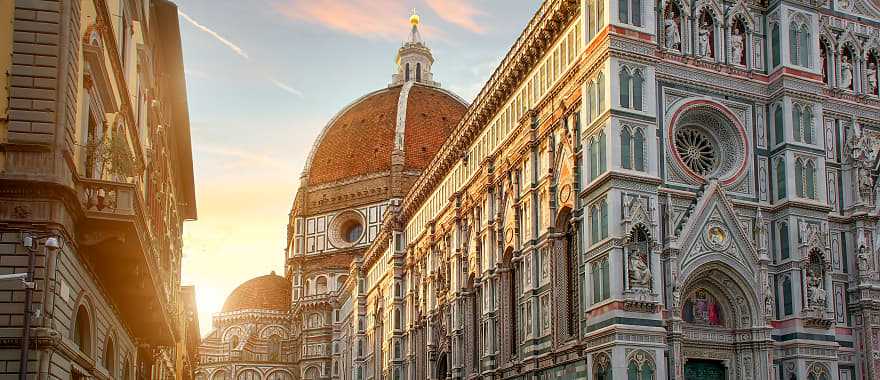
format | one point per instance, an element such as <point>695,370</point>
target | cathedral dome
<point>269,292</point>
<point>411,118</point>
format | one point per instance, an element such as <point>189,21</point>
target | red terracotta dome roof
<point>269,292</point>
<point>361,138</point>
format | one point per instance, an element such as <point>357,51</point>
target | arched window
<point>600,83</point>
<point>279,375</point>
<point>602,155</point>
<point>796,120</point>
<point>639,150</point>
<point>780,179</point>
<point>787,305</point>
<point>624,87</point>
<point>109,358</point>
<point>604,219</point>
<point>249,374</point>
<point>321,285</point>
<point>512,288</point>
<point>601,280</point>
<point>778,124</point>
<point>221,375</point>
<point>340,281</point>
<point>601,367</point>
<point>233,343</point>
<point>311,373</point>
<point>774,45</point>
<point>594,224</point>
<point>810,180</point>
<point>783,241</point>
<point>636,10</point>
<point>799,177</point>
<point>418,71</point>
<point>275,348</point>
<point>793,30</point>
<point>406,73</point>
<point>623,11</point>
<point>640,367</point>
<point>818,372</point>
<point>569,259</point>
<point>824,61</point>
<point>637,83</point>
<point>625,151</point>
<point>807,125</point>
<point>82,331</point>
<point>591,103</point>
<point>805,46</point>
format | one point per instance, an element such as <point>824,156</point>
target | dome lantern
<point>414,58</point>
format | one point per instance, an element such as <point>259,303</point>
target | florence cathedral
<point>680,189</point>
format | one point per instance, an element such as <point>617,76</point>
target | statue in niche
<point>846,72</point>
<point>639,267</point>
<point>704,38</point>
<point>863,265</point>
<point>671,30</point>
<point>872,78</point>
<point>737,45</point>
<point>639,274</point>
<point>863,151</point>
<point>816,295</point>
<point>768,298</point>
<point>816,292</point>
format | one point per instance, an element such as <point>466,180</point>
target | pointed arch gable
<point>741,11</point>
<point>847,39</point>
<point>712,7</point>
<point>715,209</point>
<point>680,4</point>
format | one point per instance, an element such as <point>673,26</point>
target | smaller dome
<point>269,292</point>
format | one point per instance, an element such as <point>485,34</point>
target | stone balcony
<point>117,240</point>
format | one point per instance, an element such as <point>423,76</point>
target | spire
<point>414,58</point>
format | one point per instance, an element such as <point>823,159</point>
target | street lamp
<point>50,246</point>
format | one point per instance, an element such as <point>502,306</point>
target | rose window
<point>696,150</point>
<point>707,143</point>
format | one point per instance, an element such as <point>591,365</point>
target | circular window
<point>707,142</point>
<point>346,229</point>
<point>696,149</point>
<point>351,231</point>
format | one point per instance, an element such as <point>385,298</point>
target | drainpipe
<point>48,309</point>
<point>51,245</point>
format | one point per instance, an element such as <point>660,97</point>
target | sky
<point>264,77</point>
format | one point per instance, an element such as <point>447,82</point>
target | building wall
<point>517,256</point>
<point>46,191</point>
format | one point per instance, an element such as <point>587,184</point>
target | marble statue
<point>673,36</point>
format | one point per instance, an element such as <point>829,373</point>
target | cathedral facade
<point>641,190</point>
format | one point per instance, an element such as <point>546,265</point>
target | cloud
<point>459,12</point>
<point>235,48</point>
<point>374,19</point>
<point>287,88</point>
<point>245,158</point>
